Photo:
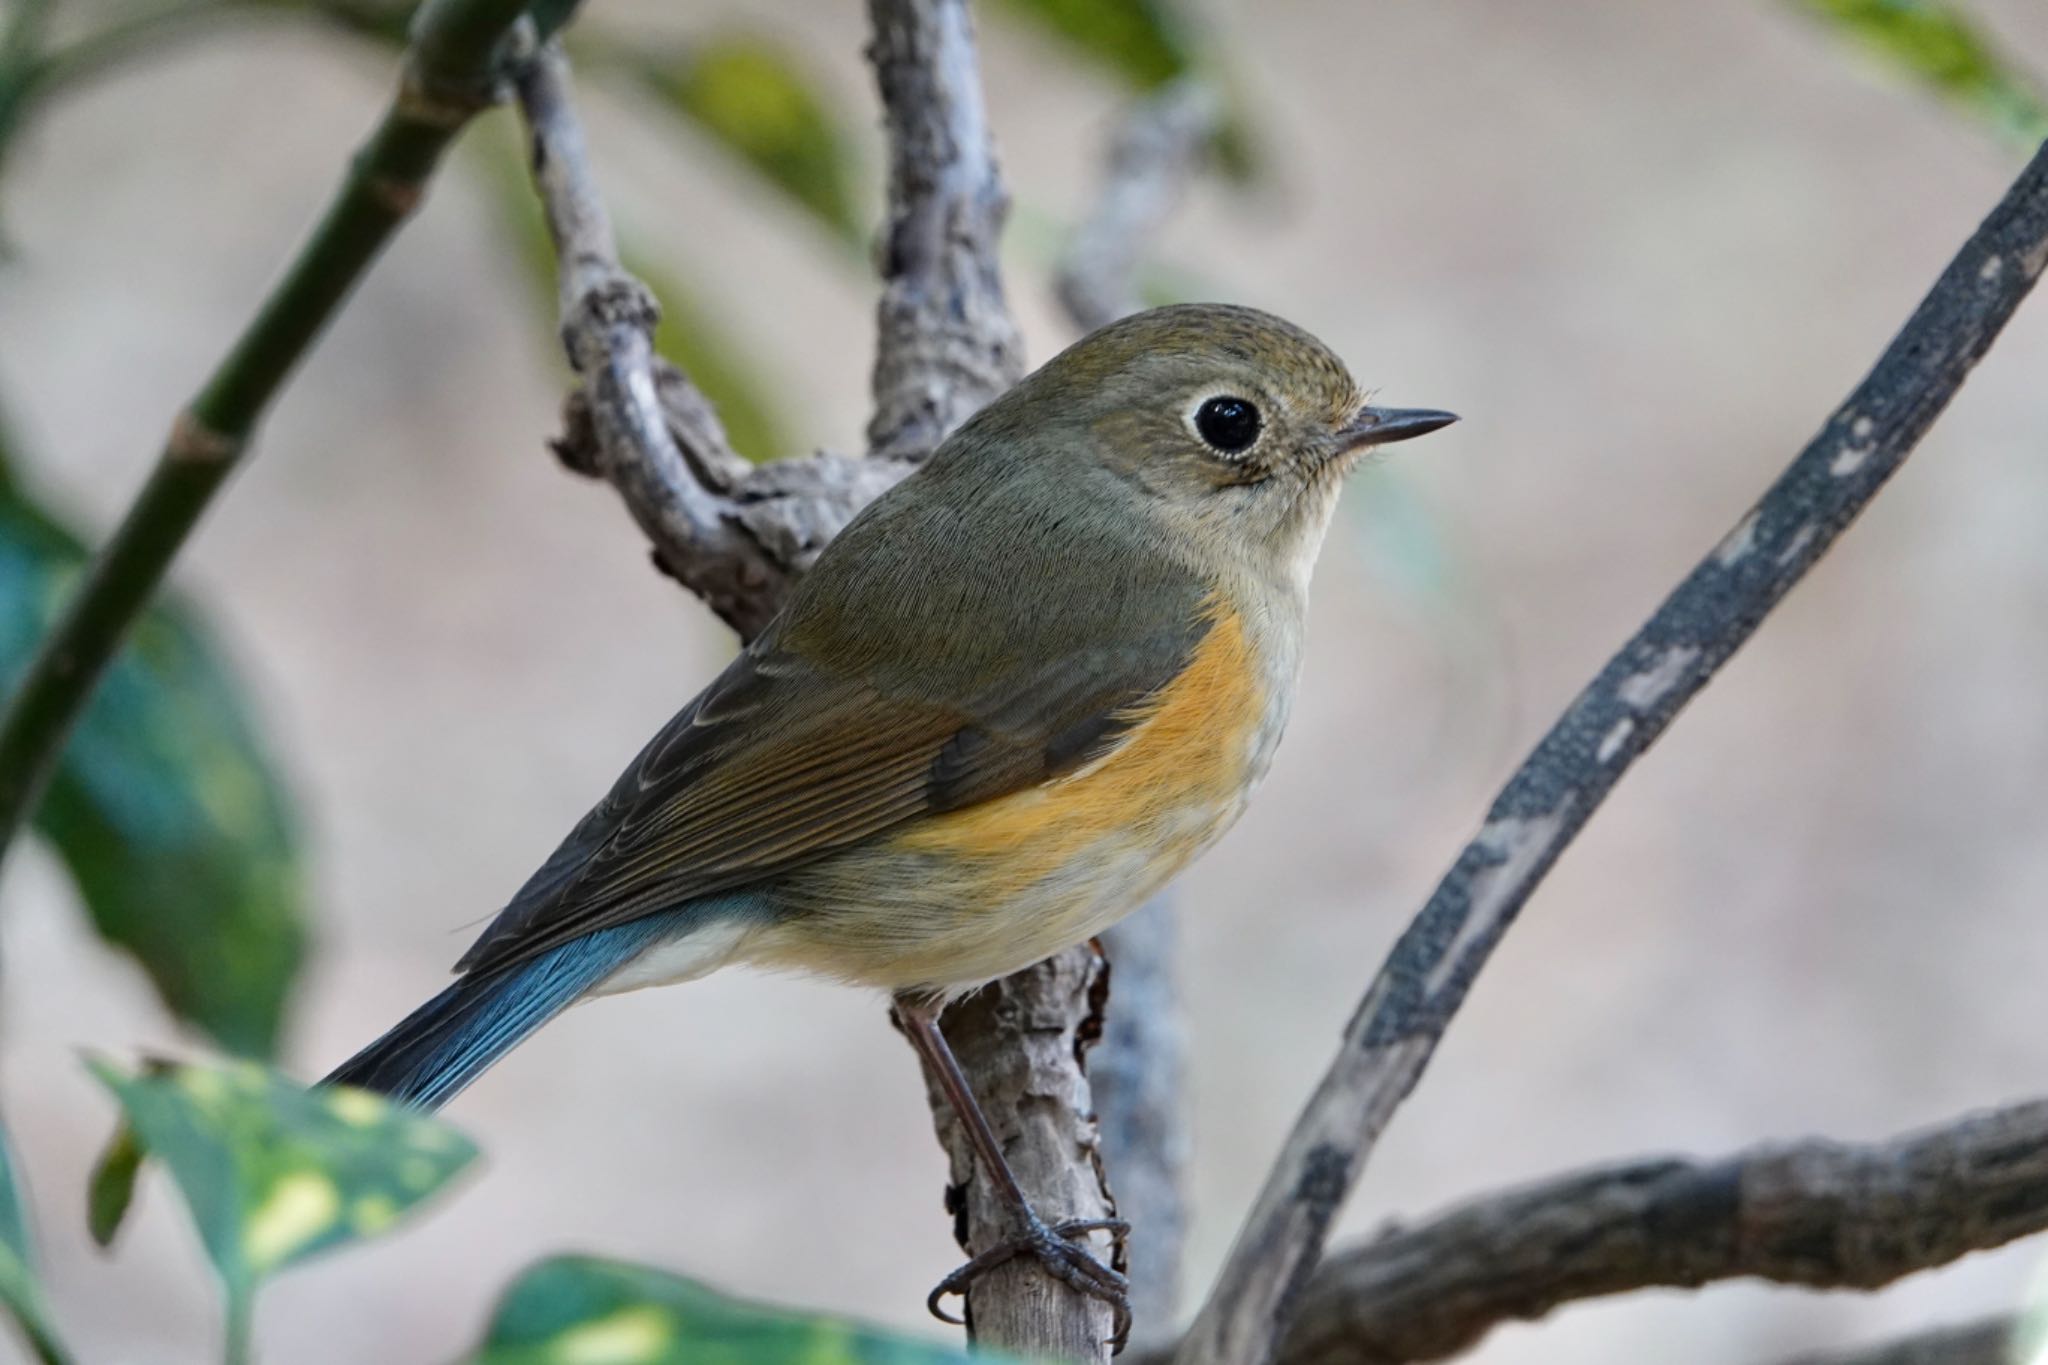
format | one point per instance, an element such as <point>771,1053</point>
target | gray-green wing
<point>787,757</point>
<point>967,636</point>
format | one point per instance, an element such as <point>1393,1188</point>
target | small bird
<point>1017,694</point>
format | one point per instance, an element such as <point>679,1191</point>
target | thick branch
<point>1825,1215</point>
<point>449,74</point>
<point>1152,155</point>
<point>945,343</point>
<point>1022,1043</point>
<point>1549,799</point>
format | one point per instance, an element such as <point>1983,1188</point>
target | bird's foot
<point>1067,1260</point>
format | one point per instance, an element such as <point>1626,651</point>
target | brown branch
<point>1022,1042</point>
<point>1820,1214</point>
<point>1994,1341</point>
<point>1549,799</point>
<point>1152,155</point>
<point>945,343</point>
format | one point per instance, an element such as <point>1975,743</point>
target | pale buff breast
<point>962,898</point>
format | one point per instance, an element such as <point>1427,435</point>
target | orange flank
<point>951,900</point>
<point>1186,757</point>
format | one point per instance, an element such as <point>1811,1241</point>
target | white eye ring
<point>1228,423</point>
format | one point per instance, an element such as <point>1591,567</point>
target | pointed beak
<point>1379,426</point>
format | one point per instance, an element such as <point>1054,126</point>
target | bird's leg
<point>1067,1260</point>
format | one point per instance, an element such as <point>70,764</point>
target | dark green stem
<point>450,73</point>
<point>21,42</point>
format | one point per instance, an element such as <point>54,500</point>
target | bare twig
<point>1549,799</point>
<point>669,460</point>
<point>1995,1341</point>
<point>945,343</point>
<point>1825,1215</point>
<point>1152,155</point>
<point>736,534</point>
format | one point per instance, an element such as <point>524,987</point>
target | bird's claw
<point>1066,1260</point>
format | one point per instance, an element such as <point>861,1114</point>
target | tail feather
<point>438,1049</point>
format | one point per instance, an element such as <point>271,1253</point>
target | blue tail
<point>454,1038</point>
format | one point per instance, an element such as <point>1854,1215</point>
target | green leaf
<point>164,808</point>
<point>110,1189</point>
<point>689,335</point>
<point>748,94</point>
<point>1147,42</point>
<point>20,1290</point>
<point>1941,47</point>
<point>274,1172</point>
<point>576,1310</point>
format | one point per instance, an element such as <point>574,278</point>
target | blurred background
<point>1643,249</point>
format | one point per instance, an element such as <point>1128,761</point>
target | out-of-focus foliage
<point>1148,42</point>
<point>689,334</point>
<point>575,1310</point>
<point>1943,48</point>
<point>385,20</point>
<point>20,1291</point>
<point>274,1172</point>
<point>110,1189</point>
<point>165,810</point>
<point>550,15</point>
<point>751,96</point>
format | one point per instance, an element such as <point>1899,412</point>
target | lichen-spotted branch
<point>1551,796</point>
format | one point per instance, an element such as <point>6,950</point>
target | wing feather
<point>867,705</point>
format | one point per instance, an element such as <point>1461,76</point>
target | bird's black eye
<point>1228,424</point>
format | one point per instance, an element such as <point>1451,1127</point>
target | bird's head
<point>1232,428</point>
